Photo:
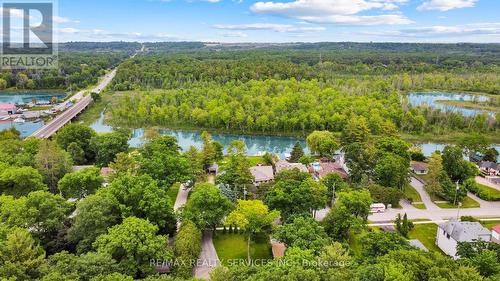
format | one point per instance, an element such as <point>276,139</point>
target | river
<point>256,145</point>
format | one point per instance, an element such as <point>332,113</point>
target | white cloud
<point>335,11</point>
<point>68,30</point>
<point>438,31</point>
<point>270,26</point>
<point>69,34</point>
<point>58,19</point>
<point>446,5</point>
<point>235,34</point>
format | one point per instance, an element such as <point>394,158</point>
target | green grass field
<point>490,224</point>
<point>488,193</point>
<point>426,233</point>
<point>232,246</point>
<point>414,196</point>
<point>467,203</point>
<point>172,191</point>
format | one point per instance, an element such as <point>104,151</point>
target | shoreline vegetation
<point>92,114</point>
<point>483,106</point>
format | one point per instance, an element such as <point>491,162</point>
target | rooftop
<point>488,165</point>
<point>331,167</point>
<point>464,231</point>
<point>419,166</point>
<point>7,106</point>
<point>416,243</point>
<point>262,173</point>
<point>284,165</point>
<point>496,228</point>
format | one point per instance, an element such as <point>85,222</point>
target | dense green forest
<point>80,65</point>
<point>300,89</point>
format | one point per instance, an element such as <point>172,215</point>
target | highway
<point>81,101</point>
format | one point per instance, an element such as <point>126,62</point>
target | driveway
<point>483,181</point>
<point>208,259</point>
<point>426,199</point>
<point>182,196</point>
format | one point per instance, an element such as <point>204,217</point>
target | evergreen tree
<point>297,152</point>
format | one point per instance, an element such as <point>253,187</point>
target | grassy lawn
<point>255,160</point>
<point>234,246</point>
<point>420,206</point>
<point>426,233</point>
<point>487,192</point>
<point>468,203</point>
<point>490,224</point>
<point>173,190</point>
<point>414,196</point>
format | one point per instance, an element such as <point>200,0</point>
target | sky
<point>279,20</point>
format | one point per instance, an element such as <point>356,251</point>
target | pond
<point>26,128</point>
<point>430,99</point>
<point>256,145</point>
<point>21,98</point>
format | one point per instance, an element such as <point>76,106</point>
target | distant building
<point>282,165</point>
<point>322,169</point>
<point>262,174</point>
<point>213,169</point>
<point>451,232</point>
<point>419,168</point>
<point>495,234</point>
<point>7,108</point>
<point>489,168</point>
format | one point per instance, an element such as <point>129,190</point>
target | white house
<point>419,168</point>
<point>7,109</point>
<point>451,232</point>
<point>495,234</point>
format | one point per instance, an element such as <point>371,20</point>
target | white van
<point>377,208</point>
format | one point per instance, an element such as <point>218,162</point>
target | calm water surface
<point>22,98</point>
<point>430,99</point>
<point>256,145</point>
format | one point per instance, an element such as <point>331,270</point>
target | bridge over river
<point>81,102</point>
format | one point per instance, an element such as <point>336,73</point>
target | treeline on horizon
<point>80,65</point>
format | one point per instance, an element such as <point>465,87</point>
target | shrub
<point>482,191</point>
<point>187,248</point>
<point>386,195</point>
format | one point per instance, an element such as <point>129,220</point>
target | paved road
<point>433,212</point>
<point>81,102</point>
<point>208,259</point>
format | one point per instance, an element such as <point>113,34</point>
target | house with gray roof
<point>262,174</point>
<point>451,232</point>
<point>282,165</point>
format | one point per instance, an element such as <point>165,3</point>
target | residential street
<point>433,212</point>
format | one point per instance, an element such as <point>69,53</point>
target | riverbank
<point>483,106</point>
<point>93,113</point>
